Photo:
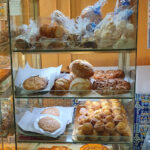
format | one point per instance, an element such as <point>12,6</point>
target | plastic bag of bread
<point>29,36</point>
<point>93,13</point>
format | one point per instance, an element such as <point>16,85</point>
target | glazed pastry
<point>83,119</point>
<point>81,68</point>
<point>49,124</point>
<point>110,127</point>
<point>117,112</point>
<point>99,126</point>
<point>94,136</point>
<point>111,86</point>
<point>86,128</point>
<point>80,135</point>
<point>118,118</point>
<point>96,105</point>
<point>93,147</point>
<point>35,83</point>
<point>51,111</point>
<point>52,31</point>
<point>61,86</point>
<point>88,104</point>
<point>121,127</point>
<point>80,86</point>
<point>83,111</point>
<point>108,118</point>
<point>109,74</point>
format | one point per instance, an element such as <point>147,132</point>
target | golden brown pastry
<point>109,74</point>
<point>61,86</point>
<point>4,73</point>
<point>83,119</point>
<point>94,136</point>
<point>51,111</point>
<point>56,45</point>
<point>110,127</point>
<point>35,83</point>
<point>86,128</point>
<point>81,68</point>
<point>41,148</point>
<point>80,135</point>
<point>84,111</point>
<point>80,86</point>
<point>121,127</point>
<point>49,124</point>
<point>99,126</point>
<point>108,118</point>
<point>93,147</point>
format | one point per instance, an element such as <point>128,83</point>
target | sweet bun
<point>61,86</point>
<point>81,68</point>
<point>80,86</point>
<point>86,128</point>
<point>51,111</point>
<point>49,124</point>
<point>83,119</point>
<point>80,135</point>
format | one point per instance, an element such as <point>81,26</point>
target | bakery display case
<point>74,73</point>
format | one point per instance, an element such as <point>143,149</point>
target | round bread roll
<point>49,124</point>
<point>51,111</point>
<point>80,86</point>
<point>81,68</point>
<point>61,86</point>
<point>35,83</point>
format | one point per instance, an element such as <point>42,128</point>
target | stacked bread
<point>82,71</point>
<point>105,120</point>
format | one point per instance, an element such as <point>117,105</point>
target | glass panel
<point>121,86</point>
<point>36,108</point>
<point>73,27</point>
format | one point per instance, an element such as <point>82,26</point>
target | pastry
<point>51,111</point>
<point>88,104</point>
<point>83,111</point>
<point>111,86</point>
<point>35,83</point>
<point>86,128</point>
<point>43,148</point>
<point>93,147</point>
<point>80,86</point>
<point>56,45</point>
<point>108,118</point>
<point>99,126</point>
<point>4,62</point>
<point>83,119</point>
<point>61,87</point>
<point>88,43</point>
<point>109,74</point>
<point>49,124</point>
<point>59,148</point>
<point>94,136</point>
<point>80,135</point>
<point>81,68</point>
<point>52,31</point>
<point>22,43</point>
<point>110,127</point>
<point>95,105</point>
<point>4,73</point>
<point>121,127</point>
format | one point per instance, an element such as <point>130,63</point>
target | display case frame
<point>36,59</point>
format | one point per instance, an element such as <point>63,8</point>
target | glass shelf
<point>67,137</point>
<point>92,94</point>
<point>73,50</point>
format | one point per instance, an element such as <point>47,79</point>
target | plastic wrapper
<point>28,37</point>
<point>115,30</point>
